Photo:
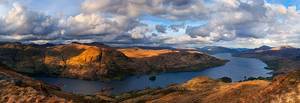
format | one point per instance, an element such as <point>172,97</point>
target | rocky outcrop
<point>97,61</point>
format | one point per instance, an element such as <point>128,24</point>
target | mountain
<point>98,61</point>
<point>70,60</point>
<point>287,52</point>
<point>283,47</point>
<point>281,59</point>
<point>218,49</point>
<point>264,47</point>
<point>18,88</point>
<point>166,60</point>
<point>259,49</point>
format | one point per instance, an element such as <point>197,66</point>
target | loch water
<point>237,69</point>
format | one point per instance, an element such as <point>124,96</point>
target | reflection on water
<point>237,69</point>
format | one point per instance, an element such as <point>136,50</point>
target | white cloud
<point>119,20</point>
<point>20,21</point>
<point>88,24</point>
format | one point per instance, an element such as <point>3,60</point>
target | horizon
<point>178,23</point>
<point>151,46</point>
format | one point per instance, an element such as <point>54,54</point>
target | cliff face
<point>95,61</point>
<point>283,89</point>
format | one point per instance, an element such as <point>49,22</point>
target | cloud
<point>161,28</point>
<point>88,24</point>
<point>176,27</point>
<point>139,32</point>
<point>247,19</point>
<point>20,21</point>
<point>121,21</point>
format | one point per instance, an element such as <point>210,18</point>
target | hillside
<point>281,59</point>
<point>15,87</point>
<point>99,62</point>
<point>169,60</point>
<point>283,89</point>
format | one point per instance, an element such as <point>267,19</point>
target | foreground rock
<point>97,61</point>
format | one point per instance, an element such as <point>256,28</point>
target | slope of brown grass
<point>283,89</point>
<point>143,53</point>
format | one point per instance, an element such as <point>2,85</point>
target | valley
<point>177,81</point>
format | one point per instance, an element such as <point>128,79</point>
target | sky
<point>177,23</point>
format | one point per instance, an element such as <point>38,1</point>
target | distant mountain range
<point>220,49</point>
<point>282,59</point>
<point>284,51</point>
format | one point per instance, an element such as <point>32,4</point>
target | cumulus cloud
<point>139,32</point>
<point>88,24</point>
<point>20,21</point>
<point>121,21</point>
<point>247,19</point>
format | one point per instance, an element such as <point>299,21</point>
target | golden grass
<point>90,54</point>
<point>142,53</point>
